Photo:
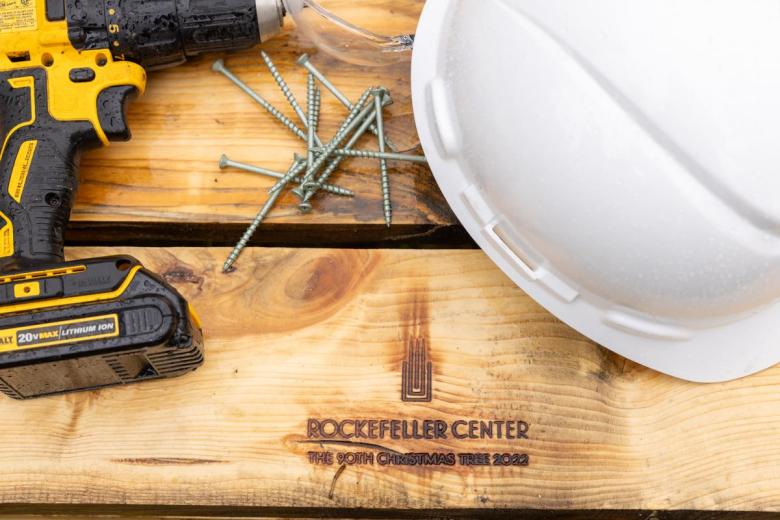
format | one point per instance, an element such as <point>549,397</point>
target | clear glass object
<point>346,41</point>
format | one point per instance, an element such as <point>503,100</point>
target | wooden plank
<point>213,514</point>
<point>302,335</point>
<point>191,115</point>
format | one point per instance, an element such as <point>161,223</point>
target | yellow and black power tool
<point>68,69</point>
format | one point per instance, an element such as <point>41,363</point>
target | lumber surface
<point>295,335</point>
<point>190,116</point>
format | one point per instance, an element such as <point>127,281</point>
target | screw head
<point>218,65</point>
<point>223,162</point>
<point>304,59</point>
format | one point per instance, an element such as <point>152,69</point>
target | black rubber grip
<point>38,170</point>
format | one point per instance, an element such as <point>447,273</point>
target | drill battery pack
<point>91,324</point>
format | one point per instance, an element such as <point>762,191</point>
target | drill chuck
<point>270,17</point>
<point>163,33</point>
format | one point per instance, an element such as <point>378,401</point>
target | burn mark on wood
<point>75,414</point>
<point>338,474</point>
<point>166,461</point>
<point>181,274</point>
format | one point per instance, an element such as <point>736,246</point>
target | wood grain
<point>228,514</point>
<point>191,115</point>
<point>300,334</point>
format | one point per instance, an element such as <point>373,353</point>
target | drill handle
<point>38,167</point>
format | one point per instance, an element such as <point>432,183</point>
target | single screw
<point>385,176</point>
<point>225,162</point>
<point>335,163</point>
<point>284,86</point>
<point>317,109</point>
<point>311,124</point>
<point>311,90</point>
<point>219,66</point>
<point>354,119</point>
<point>286,91</point>
<point>261,216</point>
<point>269,205</point>
<point>305,206</point>
<point>371,154</point>
<point>305,62</point>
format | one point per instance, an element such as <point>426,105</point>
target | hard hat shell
<point>620,161</point>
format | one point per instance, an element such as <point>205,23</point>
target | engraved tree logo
<point>417,373</point>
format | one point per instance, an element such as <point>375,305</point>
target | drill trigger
<point>112,111</point>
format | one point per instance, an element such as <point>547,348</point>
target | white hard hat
<point>620,161</point>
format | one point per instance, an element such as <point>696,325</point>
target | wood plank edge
<point>343,236</point>
<point>63,511</point>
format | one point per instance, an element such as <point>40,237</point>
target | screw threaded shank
<point>285,88</point>
<point>305,62</point>
<point>380,124</point>
<point>219,66</point>
<point>251,231</point>
<point>353,119</point>
<point>225,162</point>
<point>289,177</point>
<point>356,116</point>
<point>370,154</point>
<point>261,216</point>
<point>335,163</point>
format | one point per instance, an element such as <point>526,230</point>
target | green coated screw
<point>350,123</point>
<point>284,86</point>
<point>385,176</point>
<point>312,108</point>
<point>354,119</point>
<point>305,62</point>
<point>286,91</point>
<point>219,66</point>
<point>336,162</point>
<point>311,98</point>
<point>261,216</point>
<point>225,162</point>
<point>317,108</point>
<point>371,154</point>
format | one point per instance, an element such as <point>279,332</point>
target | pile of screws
<point>322,160</point>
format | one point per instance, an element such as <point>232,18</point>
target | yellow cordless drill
<point>68,69</point>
